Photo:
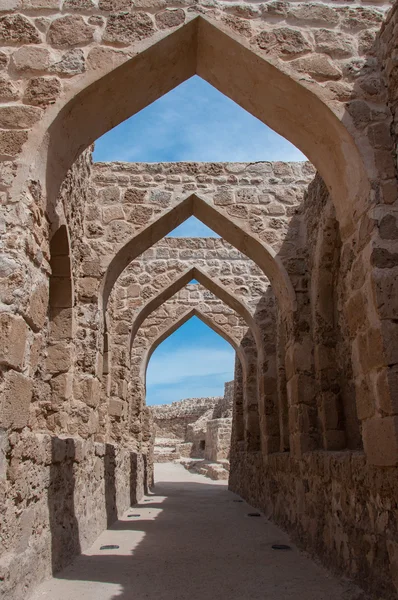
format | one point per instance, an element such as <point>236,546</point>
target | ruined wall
<point>172,420</point>
<point>60,483</point>
<point>57,496</point>
<point>192,428</point>
<point>218,439</point>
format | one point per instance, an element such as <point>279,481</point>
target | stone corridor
<point>302,283</point>
<point>192,540</point>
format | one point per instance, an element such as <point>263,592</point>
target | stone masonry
<point>195,428</point>
<point>303,282</point>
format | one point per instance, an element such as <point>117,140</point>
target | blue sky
<point>193,362</point>
<point>193,122</point>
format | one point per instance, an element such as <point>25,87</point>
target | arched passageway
<point>333,94</point>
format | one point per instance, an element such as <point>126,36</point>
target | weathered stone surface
<point>170,18</point>
<point>31,58</point>
<point>332,340</point>
<point>41,4</point>
<point>58,358</point>
<point>19,117</point>
<point>16,400</point>
<point>315,13</point>
<point>42,91</point>
<point>38,304</point>
<point>8,91</point>
<point>103,58</point>
<point>13,338</point>
<point>125,28</point>
<point>11,142</point>
<point>72,63</point>
<point>17,29</point>
<point>284,41</point>
<point>115,5</point>
<point>333,43</point>
<point>318,66</point>
<point>69,31</point>
<point>78,5</point>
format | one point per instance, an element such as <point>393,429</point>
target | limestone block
<point>106,58</point>
<point>17,396</point>
<point>284,41</point>
<point>8,91</point>
<point>78,5</point>
<point>61,389</point>
<point>59,449</point>
<point>334,43</point>
<point>360,17</point>
<point>87,288</point>
<point>109,213</point>
<point>380,437</point>
<point>41,4</point>
<point>170,18</point>
<point>135,196</point>
<point>312,12</point>
<point>13,337</point>
<point>301,389</point>
<point>61,323</point>
<point>68,31</point>
<point>59,358</point>
<point>89,391</point>
<point>125,28</point>
<point>11,142</point>
<point>116,407</point>
<point>19,117</point>
<point>31,58</point>
<point>71,63</point>
<point>17,29</point>
<point>319,66</point>
<point>42,91</point>
<point>115,5</point>
<point>38,305</point>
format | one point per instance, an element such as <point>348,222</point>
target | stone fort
<point>303,283</point>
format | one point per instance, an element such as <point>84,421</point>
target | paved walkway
<point>192,542</point>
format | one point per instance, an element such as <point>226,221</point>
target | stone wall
<point>317,500</point>
<point>172,420</point>
<point>319,497</point>
<point>218,439</point>
<point>57,496</point>
<point>194,428</point>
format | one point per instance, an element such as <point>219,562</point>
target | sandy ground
<point>192,541</point>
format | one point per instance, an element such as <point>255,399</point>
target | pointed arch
<point>270,90</point>
<point>260,252</point>
<point>193,312</point>
<point>213,286</point>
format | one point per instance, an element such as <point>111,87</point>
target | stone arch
<point>139,377</point>
<point>213,286</point>
<point>253,397</point>
<point>292,107</point>
<point>178,323</point>
<point>262,254</point>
